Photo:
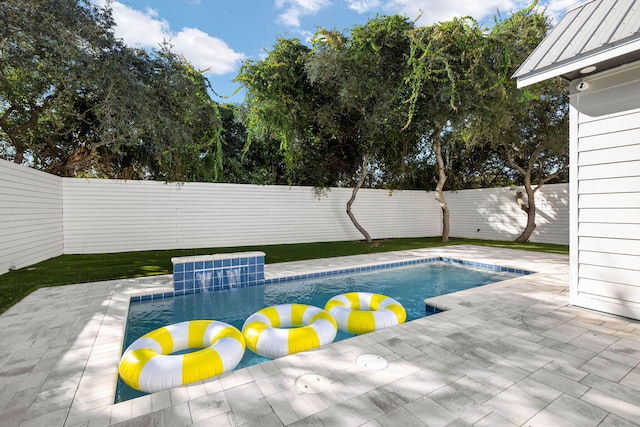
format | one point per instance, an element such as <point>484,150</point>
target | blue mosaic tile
<point>429,309</point>
<point>195,277</point>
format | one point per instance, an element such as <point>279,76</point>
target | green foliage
<point>47,51</point>
<point>529,127</point>
<point>363,77</point>
<point>337,108</point>
<point>444,60</point>
<point>74,101</point>
<point>331,105</point>
<point>279,98</point>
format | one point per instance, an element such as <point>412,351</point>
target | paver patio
<point>510,353</point>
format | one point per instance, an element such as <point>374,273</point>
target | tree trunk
<point>530,208</point>
<point>363,176</point>
<point>19,157</point>
<point>442,178</point>
<point>18,146</point>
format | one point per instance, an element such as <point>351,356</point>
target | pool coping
<point>63,345</point>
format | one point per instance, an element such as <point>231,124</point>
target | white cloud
<point>294,9</point>
<point>557,8</point>
<point>363,6</point>
<point>145,29</point>
<point>432,11</point>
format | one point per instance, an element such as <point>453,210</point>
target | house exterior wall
<point>30,216</point>
<point>605,192</point>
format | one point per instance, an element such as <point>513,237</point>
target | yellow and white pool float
<point>362,312</point>
<point>285,329</point>
<point>148,365</point>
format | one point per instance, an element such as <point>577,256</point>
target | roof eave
<point>606,53</point>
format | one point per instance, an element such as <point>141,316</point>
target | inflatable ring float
<point>362,312</point>
<point>148,365</point>
<point>285,329</point>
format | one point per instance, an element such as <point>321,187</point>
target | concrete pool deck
<point>509,353</point>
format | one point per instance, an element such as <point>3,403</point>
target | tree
<point>443,59</point>
<point>280,103</point>
<point>47,49</point>
<point>363,77</point>
<point>75,101</point>
<point>529,127</point>
<point>261,163</point>
<point>332,107</point>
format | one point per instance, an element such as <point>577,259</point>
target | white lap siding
<point>30,216</point>
<point>42,216</point>
<point>605,142</point>
<point>114,216</point>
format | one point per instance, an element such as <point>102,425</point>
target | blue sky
<point>218,35</point>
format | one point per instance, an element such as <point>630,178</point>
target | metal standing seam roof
<point>601,33</point>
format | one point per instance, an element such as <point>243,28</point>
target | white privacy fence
<point>43,216</point>
<point>30,216</point>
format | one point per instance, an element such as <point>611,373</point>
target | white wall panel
<point>624,184</point>
<point>613,260</point>
<point>609,290</point>
<point>606,156</point>
<point>30,216</point>
<point>613,246</point>
<point>494,214</point>
<point>613,200</point>
<point>100,214</point>
<point>75,216</point>
<point>599,141</point>
<point>604,171</point>
<point>112,216</point>
<point>610,155</point>
<point>610,215</point>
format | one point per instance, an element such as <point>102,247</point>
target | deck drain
<point>312,383</point>
<point>372,361</point>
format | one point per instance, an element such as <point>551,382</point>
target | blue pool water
<point>408,285</point>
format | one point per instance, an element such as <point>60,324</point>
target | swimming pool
<point>409,285</point>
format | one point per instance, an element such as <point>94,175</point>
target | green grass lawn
<point>69,269</point>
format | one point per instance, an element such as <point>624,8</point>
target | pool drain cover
<point>372,361</point>
<point>312,383</point>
